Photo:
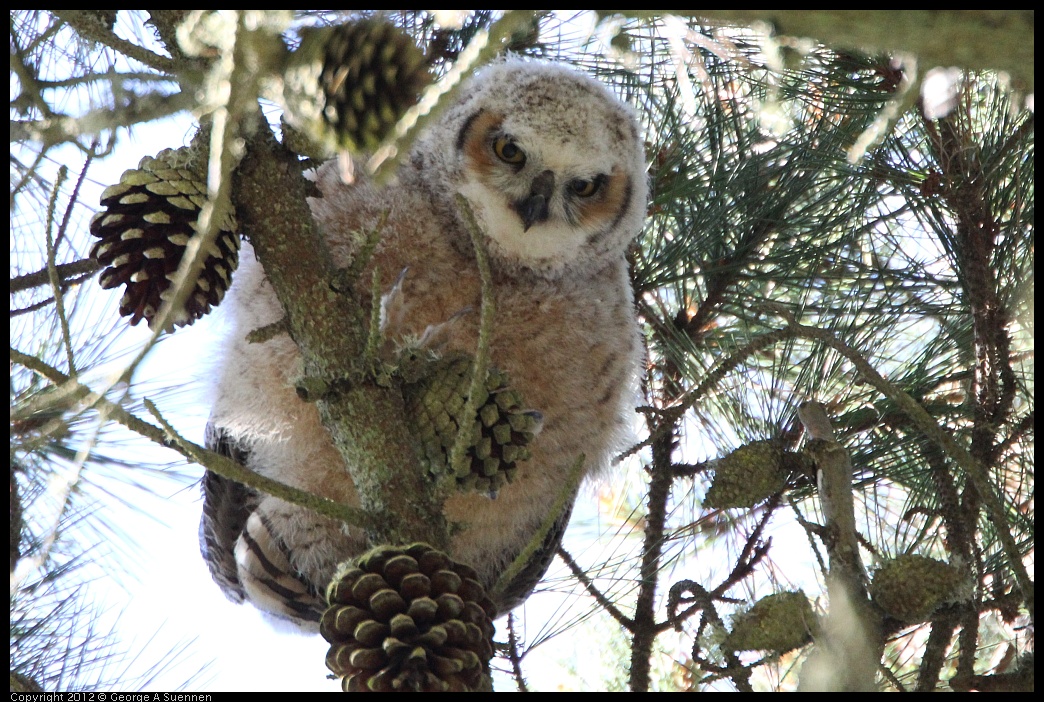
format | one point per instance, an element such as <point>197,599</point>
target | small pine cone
<point>149,217</point>
<point>408,619</point>
<point>747,476</point>
<point>347,86</point>
<point>911,587</point>
<point>780,622</point>
<point>501,429</point>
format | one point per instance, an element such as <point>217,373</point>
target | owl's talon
<point>529,422</point>
<point>436,336</point>
<point>393,307</point>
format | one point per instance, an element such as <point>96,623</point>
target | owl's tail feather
<point>245,556</point>
<point>269,579</point>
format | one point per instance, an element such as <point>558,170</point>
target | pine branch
<point>367,421</point>
<point>974,39</point>
<point>975,471</point>
<point>644,631</point>
<point>89,26</point>
<point>71,392</point>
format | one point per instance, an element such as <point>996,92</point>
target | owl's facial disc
<point>542,195</point>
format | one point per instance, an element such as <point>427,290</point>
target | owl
<point>552,165</point>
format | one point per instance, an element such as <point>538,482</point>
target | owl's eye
<point>582,187</point>
<point>508,152</point>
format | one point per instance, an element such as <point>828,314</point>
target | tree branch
<point>999,40</point>
<point>975,471</point>
<point>606,604</point>
<point>366,421</point>
<point>87,24</point>
<point>851,630</point>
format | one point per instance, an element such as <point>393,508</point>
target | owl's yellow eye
<point>507,151</point>
<point>582,187</point>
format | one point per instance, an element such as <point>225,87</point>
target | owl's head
<point>551,162</point>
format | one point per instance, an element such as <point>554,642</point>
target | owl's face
<point>551,163</point>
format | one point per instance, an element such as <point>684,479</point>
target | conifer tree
<point>831,485</point>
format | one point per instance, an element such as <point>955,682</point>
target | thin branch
<point>18,312</point>
<point>675,411</point>
<point>108,76</point>
<point>606,604</point>
<point>228,468</point>
<point>513,655</point>
<point>31,90</point>
<point>64,271</point>
<point>59,129</point>
<point>74,197</point>
<point>752,552</point>
<point>52,274</point>
<point>87,26</point>
<point>482,350</point>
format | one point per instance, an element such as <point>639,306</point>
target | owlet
<point>553,168</point>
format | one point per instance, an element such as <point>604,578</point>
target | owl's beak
<point>534,207</point>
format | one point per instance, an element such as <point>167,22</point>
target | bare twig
<point>64,271</point>
<point>514,656</point>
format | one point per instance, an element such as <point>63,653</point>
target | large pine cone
<point>148,219</point>
<point>409,619</point>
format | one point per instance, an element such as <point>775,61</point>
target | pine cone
<point>780,622</point>
<point>409,619</point>
<point>149,217</point>
<point>347,86</point>
<point>501,429</point>
<point>748,475</point>
<point>911,587</point>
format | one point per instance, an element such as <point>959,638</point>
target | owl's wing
<point>248,558</point>
<point>520,588</point>
<point>226,507</point>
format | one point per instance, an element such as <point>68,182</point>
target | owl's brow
<point>464,128</point>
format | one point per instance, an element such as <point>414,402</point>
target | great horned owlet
<point>553,167</point>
